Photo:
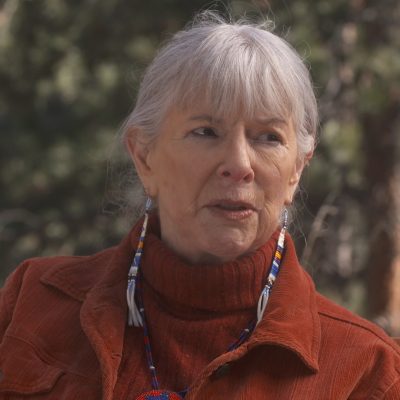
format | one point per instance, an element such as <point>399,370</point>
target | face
<point>219,185</point>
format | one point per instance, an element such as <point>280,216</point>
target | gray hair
<point>238,68</point>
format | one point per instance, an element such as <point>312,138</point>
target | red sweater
<point>194,313</point>
<point>63,332</point>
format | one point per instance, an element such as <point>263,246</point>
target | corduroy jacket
<point>62,324</point>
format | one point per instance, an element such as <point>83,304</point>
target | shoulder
<point>339,321</point>
<point>42,289</point>
<point>73,275</point>
<point>80,271</point>
<point>361,348</point>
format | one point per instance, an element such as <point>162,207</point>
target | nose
<point>236,163</point>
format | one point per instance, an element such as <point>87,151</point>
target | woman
<point>205,298</point>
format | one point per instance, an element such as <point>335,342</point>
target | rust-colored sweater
<point>63,331</point>
<point>194,313</point>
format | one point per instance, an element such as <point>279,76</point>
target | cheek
<point>175,177</point>
<point>168,176</point>
<point>272,180</point>
<point>276,186</point>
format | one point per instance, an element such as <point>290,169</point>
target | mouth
<point>232,209</point>
<point>233,205</point>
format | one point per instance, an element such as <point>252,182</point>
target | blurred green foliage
<point>68,75</point>
<point>69,71</point>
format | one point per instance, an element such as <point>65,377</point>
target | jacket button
<point>221,371</point>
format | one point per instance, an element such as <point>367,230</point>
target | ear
<point>296,175</point>
<point>139,150</point>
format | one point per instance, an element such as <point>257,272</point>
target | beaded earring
<point>134,314</point>
<point>276,263</point>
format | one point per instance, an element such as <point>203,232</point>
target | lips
<point>230,205</point>
<point>233,210</point>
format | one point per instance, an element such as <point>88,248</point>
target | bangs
<point>238,79</point>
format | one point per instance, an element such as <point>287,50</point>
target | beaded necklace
<point>137,316</point>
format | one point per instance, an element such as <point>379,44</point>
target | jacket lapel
<point>103,313</point>
<point>291,319</point>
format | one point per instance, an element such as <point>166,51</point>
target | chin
<point>229,250</point>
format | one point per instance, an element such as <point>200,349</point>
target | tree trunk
<point>382,208</point>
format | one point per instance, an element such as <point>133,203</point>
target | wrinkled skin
<point>219,185</point>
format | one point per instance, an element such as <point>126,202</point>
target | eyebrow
<point>271,121</point>
<point>205,117</point>
<point>262,121</point>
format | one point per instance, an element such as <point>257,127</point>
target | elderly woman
<point>205,298</point>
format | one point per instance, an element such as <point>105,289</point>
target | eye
<point>270,138</point>
<point>204,131</point>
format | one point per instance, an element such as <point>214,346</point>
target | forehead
<point>229,113</point>
<point>232,100</point>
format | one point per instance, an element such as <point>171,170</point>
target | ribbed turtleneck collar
<point>226,287</point>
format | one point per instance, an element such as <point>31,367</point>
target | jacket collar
<point>99,282</point>
<point>291,319</point>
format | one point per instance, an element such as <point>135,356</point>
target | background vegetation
<point>69,71</point>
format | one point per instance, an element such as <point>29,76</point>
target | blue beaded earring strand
<point>135,316</point>
<point>276,263</point>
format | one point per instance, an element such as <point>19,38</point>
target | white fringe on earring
<point>134,314</point>
<point>262,302</point>
<point>134,317</point>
